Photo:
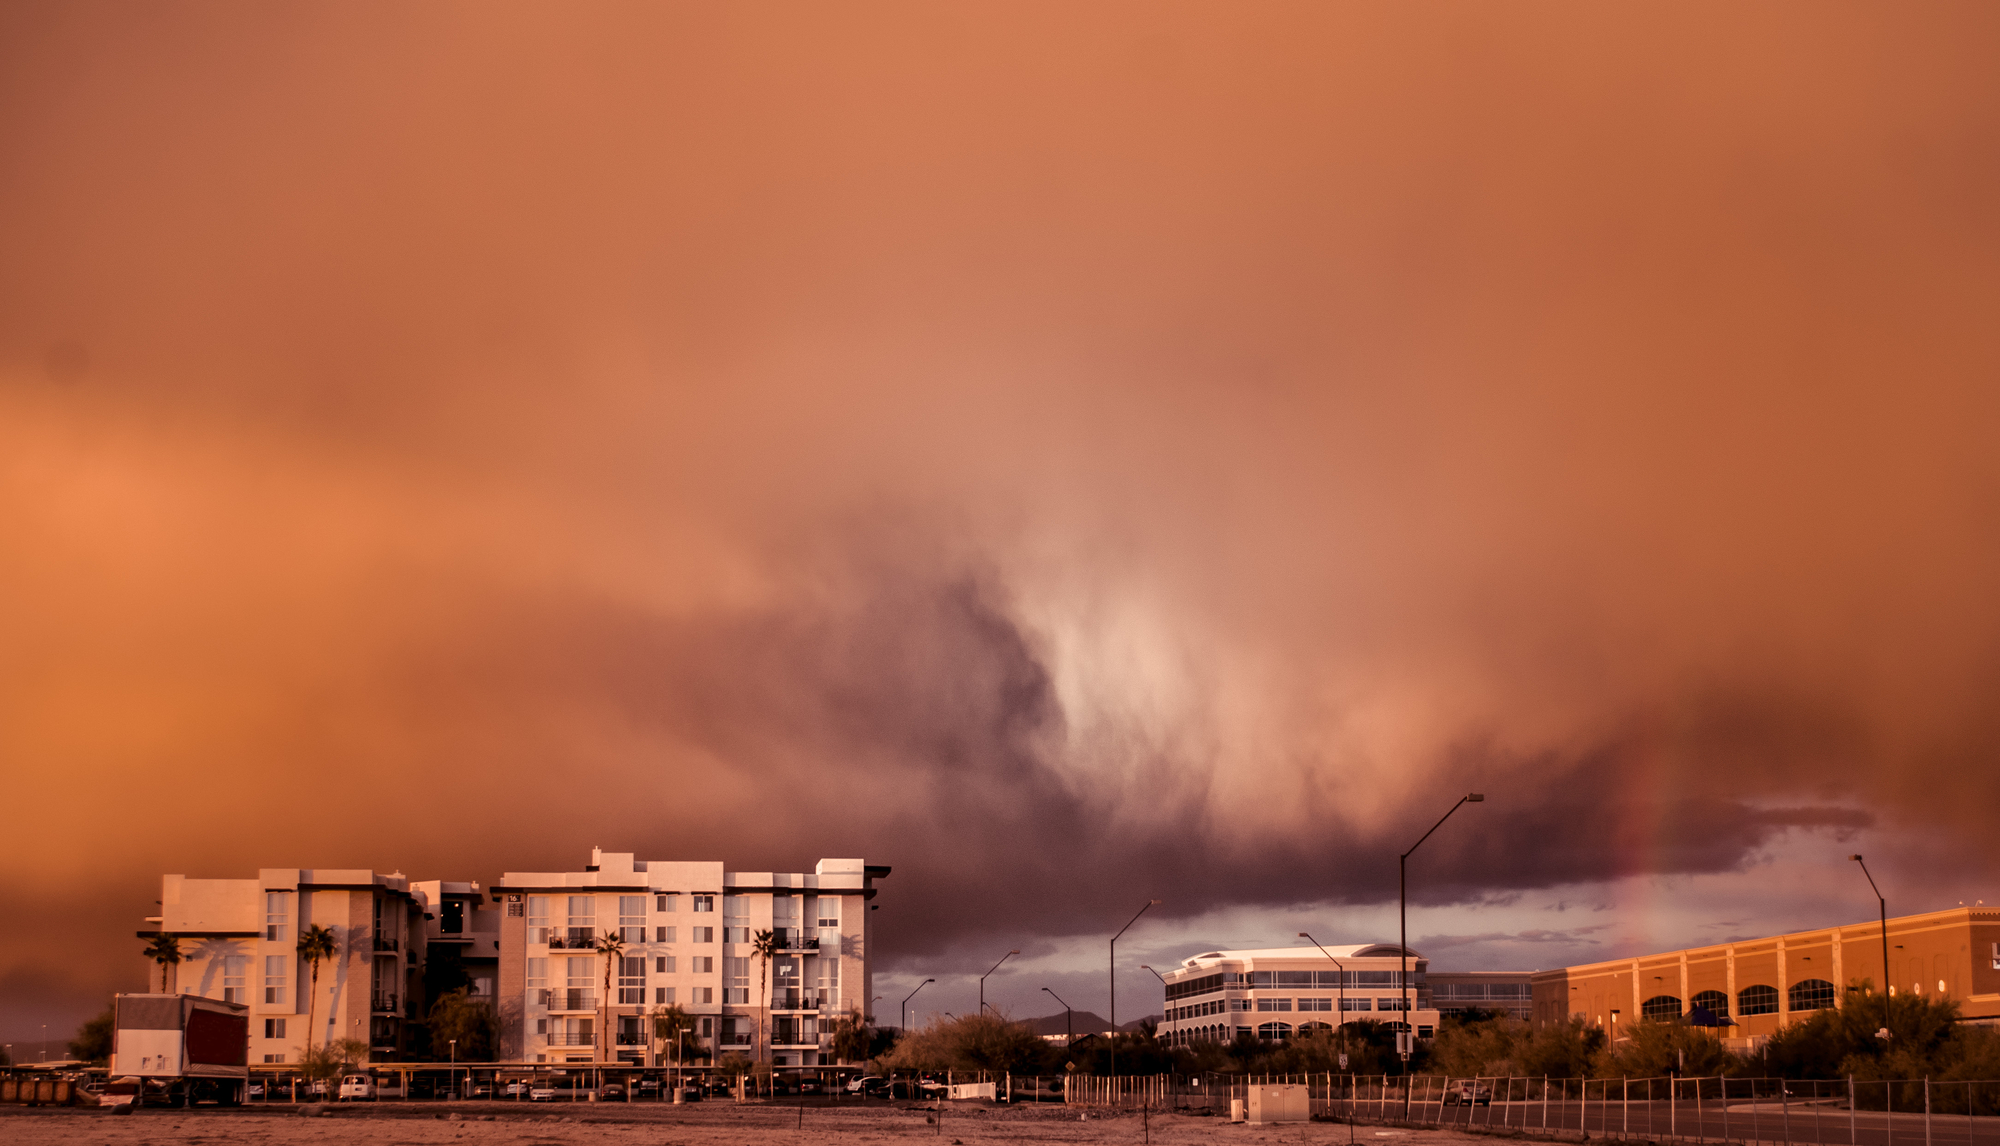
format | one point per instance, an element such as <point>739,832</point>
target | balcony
<point>571,1038</point>
<point>794,1034</point>
<point>384,1003</point>
<point>794,1001</point>
<point>577,939</point>
<point>795,939</point>
<point>385,942</point>
<point>572,1000</point>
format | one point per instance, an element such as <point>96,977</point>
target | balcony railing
<point>794,1001</point>
<point>571,1038</point>
<point>385,943</point>
<point>572,1000</point>
<point>576,939</point>
<point>384,1003</point>
<point>795,939</point>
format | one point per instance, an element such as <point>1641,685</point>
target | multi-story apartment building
<point>1278,992</point>
<point>686,932</point>
<point>239,942</point>
<point>1757,986</point>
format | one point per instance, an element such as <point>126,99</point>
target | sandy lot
<point>704,1124</point>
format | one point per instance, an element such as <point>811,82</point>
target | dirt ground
<point>703,1124</point>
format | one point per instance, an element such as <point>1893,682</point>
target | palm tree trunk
<point>312,1004</point>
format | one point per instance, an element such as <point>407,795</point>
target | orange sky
<point>1179,443</point>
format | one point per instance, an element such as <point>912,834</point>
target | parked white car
<point>541,1093</point>
<point>357,1088</point>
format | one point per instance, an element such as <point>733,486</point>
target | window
<point>276,970</point>
<point>1393,1003</point>
<point>538,919</point>
<point>632,979</point>
<point>274,1058</point>
<point>538,982</point>
<point>1274,1004</point>
<point>664,964</point>
<point>541,1026</point>
<point>1716,1002</point>
<point>1761,999</point>
<point>1275,1032</point>
<point>666,903</point>
<point>735,1031</point>
<point>1315,1004</point>
<point>702,964</point>
<point>663,995</point>
<point>274,1028</point>
<point>235,978</point>
<point>580,970</point>
<point>701,934</point>
<point>278,914</point>
<point>664,935</point>
<point>1239,1004</point>
<point>736,919</point>
<point>827,909</point>
<point>632,918</point>
<point>736,979</point>
<point>706,997</point>
<point>703,902</point>
<point>1295,978</point>
<point>451,916</point>
<point>582,920</point>
<point>1811,995</point>
<point>1355,1004</point>
<point>1661,1007</point>
<point>826,968</point>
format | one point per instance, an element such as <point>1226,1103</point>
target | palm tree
<point>316,943</point>
<point>764,946</point>
<point>610,945</point>
<point>166,951</point>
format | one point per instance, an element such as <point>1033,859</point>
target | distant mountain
<point>1083,1022</point>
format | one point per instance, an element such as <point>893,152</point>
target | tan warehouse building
<point>1761,985</point>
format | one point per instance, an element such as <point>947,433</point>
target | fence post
<point>1852,1139</point>
<point>1723,1081</point>
<point>1785,1108</point>
<point>1625,1108</point>
<point>1927,1110</point>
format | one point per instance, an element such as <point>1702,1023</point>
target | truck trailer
<point>180,1049</point>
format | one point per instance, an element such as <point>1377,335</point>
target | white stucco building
<point>1278,992</point>
<point>687,928</point>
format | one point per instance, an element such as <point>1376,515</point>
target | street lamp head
<point>930,980</point>
<point>1015,951</point>
<point>1476,798</point>
<point>1152,903</point>
<point>1855,858</point>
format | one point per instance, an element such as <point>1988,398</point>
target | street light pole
<point>1883,905</point>
<point>906,1004</point>
<point>1069,1031</point>
<point>1407,1041</point>
<point>1343,979</point>
<point>1114,982</point>
<point>989,971</point>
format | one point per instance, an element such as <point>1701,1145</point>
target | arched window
<point>1716,1002</point>
<point>1811,994</point>
<point>1274,1032</point>
<point>1761,999</point>
<point>1309,1028</point>
<point>1661,1007</point>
